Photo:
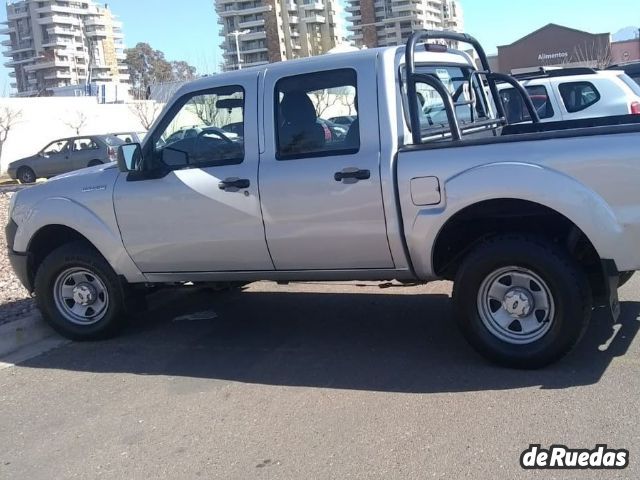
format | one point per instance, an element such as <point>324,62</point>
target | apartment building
<point>267,31</point>
<point>380,23</point>
<point>54,44</point>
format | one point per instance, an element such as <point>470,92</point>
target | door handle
<point>233,184</point>
<point>351,175</point>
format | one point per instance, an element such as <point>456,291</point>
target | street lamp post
<point>236,34</point>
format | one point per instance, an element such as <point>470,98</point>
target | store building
<point>556,45</point>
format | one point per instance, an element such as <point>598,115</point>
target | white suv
<point>572,94</point>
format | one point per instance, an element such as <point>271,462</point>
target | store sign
<point>553,56</point>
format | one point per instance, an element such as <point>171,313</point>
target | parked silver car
<point>65,155</point>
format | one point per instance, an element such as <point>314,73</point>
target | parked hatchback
<point>572,94</point>
<point>65,155</point>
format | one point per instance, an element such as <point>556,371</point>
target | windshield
<point>630,82</point>
<point>113,141</point>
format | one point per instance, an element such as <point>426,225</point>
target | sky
<point>188,29</point>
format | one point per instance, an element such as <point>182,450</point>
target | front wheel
<point>521,301</point>
<point>26,175</point>
<point>79,294</point>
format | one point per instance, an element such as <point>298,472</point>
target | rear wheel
<point>79,294</point>
<point>26,175</point>
<point>521,301</point>
<point>94,163</point>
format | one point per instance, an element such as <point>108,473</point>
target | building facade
<point>556,45</point>
<point>380,23</point>
<point>626,51</point>
<point>267,31</point>
<point>54,44</point>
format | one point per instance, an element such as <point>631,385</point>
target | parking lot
<point>312,381</point>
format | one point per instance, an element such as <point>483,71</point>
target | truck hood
<point>85,172</point>
<point>91,187</point>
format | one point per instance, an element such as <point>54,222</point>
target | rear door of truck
<point>321,195</point>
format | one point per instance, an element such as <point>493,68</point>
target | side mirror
<point>129,157</point>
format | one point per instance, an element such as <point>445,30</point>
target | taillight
<point>635,108</point>
<point>111,152</point>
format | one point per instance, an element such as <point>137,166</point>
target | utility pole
<point>236,34</point>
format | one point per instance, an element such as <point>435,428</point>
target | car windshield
<point>113,141</point>
<point>630,82</point>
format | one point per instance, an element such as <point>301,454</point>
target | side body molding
<point>510,180</point>
<point>66,212</point>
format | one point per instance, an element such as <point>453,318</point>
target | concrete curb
<point>23,333</point>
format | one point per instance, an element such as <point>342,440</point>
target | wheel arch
<point>49,223</point>
<point>511,191</point>
<point>464,230</point>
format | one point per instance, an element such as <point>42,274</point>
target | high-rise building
<point>380,23</point>
<point>58,43</point>
<point>255,32</point>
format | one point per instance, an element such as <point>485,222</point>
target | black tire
<point>624,277</point>
<point>565,281</point>
<point>26,175</point>
<point>95,163</point>
<point>79,255</point>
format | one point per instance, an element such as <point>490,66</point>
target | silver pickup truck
<point>536,223</point>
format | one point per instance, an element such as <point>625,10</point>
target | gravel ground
<point>15,301</point>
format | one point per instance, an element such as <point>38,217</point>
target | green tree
<point>149,67</point>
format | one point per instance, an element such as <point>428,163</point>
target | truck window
<point>304,103</point>
<point>516,110</point>
<point>195,135</point>
<point>468,94</point>
<point>578,96</point>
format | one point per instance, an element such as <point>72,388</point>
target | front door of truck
<point>202,212</point>
<point>320,182</point>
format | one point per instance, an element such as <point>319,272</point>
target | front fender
<point>67,212</point>
<point>547,187</point>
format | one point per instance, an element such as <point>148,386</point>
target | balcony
<point>59,42</point>
<point>51,8</point>
<point>251,24</point>
<point>253,36</point>
<point>15,63</point>
<point>244,11</point>
<point>255,64</point>
<point>313,6</point>
<point>15,51</point>
<point>63,31</point>
<point>315,19</point>
<point>252,50</point>
<point>95,22</point>
<point>59,19</point>
<point>57,75</point>
<point>17,14</point>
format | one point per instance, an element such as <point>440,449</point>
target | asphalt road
<point>298,382</point>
